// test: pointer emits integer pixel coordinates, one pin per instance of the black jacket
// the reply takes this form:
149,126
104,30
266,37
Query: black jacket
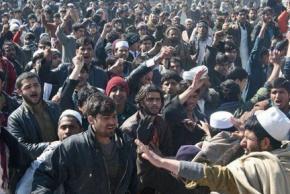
23,125
19,158
78,164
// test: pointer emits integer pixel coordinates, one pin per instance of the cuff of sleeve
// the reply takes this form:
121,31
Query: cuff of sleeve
191,170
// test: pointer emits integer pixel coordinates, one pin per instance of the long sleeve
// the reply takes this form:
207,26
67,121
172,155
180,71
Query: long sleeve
283,22
51,173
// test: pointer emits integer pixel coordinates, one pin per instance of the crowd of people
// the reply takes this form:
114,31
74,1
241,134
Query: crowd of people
143,97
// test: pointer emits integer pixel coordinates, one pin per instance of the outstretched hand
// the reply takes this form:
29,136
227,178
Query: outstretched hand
147,154
145,129
197,82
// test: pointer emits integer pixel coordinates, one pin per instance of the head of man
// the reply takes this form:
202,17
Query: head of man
142,29
230,91
121,49
78,30
83,95
267,14
84,48
28,86
32,19
57,18
69,123
153,18
9,50
149,99
146,43
102,116
188,24
222,64
280,93
133,40
252,14
175,65
240,76
170,82
265,131
56,58
242,16
202,29
173,34
117,89
231,51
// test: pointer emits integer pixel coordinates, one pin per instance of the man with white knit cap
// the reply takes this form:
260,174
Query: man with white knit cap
69,123
265,168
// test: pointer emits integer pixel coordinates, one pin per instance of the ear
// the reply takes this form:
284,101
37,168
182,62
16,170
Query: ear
90,119
19,92
265,144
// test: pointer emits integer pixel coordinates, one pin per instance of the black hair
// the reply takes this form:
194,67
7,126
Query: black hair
229,46
252,124
230,91
144,91
267,10
170,75
77,26
56,15
99,104
84,41
45,42
238,73
24,76
147,37
84,93
280,83
221,59
112,36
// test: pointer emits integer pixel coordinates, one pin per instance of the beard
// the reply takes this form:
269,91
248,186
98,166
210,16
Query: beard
29,101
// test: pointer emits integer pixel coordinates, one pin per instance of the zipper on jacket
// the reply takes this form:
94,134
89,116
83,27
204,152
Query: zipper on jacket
107,174
126,169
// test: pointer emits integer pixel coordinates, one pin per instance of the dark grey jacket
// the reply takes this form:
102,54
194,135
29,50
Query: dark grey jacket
78,164
23,125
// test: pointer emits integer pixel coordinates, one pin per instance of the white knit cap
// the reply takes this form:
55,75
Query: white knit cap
221,120
275,122
73,113
121,44
189,75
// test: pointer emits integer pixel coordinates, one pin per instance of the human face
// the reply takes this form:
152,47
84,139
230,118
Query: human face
175,67
119,95
146,45
191,101
122,52
80,33
232,55
223,69
189,24
56,60
68,126
142,31
242,17
267,17
152,103
172,34
147,79
280,97
9,51
104,125
250,142
30,91
86,51
170,87
83,78
252,15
